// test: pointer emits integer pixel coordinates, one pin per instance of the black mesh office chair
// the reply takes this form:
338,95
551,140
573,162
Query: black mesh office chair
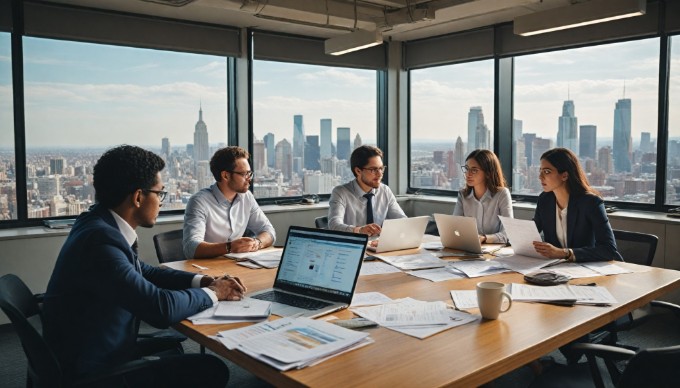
626,368
431,228
321,222
169,246
23,310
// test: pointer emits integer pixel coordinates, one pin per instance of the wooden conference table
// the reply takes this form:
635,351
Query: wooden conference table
468,355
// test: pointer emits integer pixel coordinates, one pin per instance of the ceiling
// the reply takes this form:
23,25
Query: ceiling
400,20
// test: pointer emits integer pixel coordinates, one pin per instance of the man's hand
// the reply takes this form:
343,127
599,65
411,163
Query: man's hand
228,288
244,244
370,229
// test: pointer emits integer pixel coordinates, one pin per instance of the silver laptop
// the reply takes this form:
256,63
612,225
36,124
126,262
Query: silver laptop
401,233
318,272
458,232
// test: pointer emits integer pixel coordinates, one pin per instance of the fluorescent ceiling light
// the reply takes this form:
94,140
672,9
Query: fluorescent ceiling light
355,40
577,15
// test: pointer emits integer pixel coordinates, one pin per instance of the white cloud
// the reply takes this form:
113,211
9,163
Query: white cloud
334,75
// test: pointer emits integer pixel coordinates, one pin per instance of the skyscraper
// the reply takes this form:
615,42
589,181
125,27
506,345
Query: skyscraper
516,129
646,142
165,147
567,132
587,141
201,147
528,148
259,155
478,132
343,143
357,142
269,142
57,166
284,158
299,140
312,152
622,140
604,160
326,138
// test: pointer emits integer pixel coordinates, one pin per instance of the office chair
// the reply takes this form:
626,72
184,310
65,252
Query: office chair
21,306
169,246
643,368
321,222
431,228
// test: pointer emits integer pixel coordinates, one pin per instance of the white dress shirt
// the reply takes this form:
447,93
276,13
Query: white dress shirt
348,206
486,211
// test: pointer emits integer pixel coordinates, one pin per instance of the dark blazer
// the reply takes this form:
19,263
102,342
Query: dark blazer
589,233
96,292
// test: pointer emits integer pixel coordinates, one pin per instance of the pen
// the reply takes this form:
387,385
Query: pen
199,266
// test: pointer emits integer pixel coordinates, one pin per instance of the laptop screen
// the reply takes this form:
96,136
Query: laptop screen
321,261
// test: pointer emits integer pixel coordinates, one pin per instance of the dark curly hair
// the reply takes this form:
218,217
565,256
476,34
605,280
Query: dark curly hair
121,171
224,160
361,154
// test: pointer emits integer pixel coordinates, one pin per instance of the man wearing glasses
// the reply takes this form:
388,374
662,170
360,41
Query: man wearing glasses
216,218
361,205
100,289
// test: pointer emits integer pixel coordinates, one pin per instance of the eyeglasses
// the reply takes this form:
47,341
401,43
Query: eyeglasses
471,170
161,193
375,170
245,174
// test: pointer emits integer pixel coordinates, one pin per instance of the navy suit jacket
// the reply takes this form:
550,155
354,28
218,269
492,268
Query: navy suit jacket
589,233
95,293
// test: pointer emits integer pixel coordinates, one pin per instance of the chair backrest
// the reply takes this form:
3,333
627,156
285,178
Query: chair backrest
652,368
169,246
635,247
321,222
18,302
431,228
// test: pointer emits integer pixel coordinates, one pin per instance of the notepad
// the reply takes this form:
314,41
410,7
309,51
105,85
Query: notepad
245,308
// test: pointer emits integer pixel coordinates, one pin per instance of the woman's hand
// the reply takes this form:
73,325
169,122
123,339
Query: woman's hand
548,250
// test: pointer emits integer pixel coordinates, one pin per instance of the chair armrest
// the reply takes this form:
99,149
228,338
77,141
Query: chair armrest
604,351
666,305
116,371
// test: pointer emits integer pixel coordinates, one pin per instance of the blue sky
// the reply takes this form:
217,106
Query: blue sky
85,94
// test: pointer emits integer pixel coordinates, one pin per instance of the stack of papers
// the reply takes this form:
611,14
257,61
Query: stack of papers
415,318
414,261
259,259
245,310
293,342
564,293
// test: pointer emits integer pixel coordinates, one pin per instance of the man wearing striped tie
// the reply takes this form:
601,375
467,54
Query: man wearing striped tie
99,288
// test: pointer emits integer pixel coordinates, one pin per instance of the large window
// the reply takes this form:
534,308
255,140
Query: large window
307,119
82,99
673,167
8,198
452,113
602,103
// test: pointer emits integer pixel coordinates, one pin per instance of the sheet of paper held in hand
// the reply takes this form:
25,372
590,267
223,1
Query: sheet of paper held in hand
522,234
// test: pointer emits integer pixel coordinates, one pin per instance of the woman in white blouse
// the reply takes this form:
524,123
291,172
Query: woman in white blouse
485,196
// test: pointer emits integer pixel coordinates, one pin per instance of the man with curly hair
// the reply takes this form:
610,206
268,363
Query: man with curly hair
217,217
99,288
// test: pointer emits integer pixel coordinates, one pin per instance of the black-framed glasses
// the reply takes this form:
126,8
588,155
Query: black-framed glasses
245,174
471,170
161,193
375,170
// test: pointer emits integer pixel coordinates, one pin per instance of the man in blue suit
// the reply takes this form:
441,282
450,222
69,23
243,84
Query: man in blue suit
99,287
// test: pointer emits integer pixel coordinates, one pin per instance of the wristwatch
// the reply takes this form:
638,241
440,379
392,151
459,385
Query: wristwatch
228,246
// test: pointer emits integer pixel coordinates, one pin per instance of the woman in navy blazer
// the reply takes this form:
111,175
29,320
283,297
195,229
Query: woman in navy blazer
570,213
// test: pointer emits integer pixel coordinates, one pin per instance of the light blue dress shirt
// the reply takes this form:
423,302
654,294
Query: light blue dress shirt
486,212
210,217
348,206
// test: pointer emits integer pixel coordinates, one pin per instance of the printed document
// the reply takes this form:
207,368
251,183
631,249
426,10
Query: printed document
464,299
522,234
414,261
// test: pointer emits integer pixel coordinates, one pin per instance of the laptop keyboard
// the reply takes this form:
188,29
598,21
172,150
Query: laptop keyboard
292,300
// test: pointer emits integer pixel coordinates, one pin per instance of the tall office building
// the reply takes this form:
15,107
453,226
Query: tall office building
567,132
57,166
604,160
539,146
622,140
459,152
478,132
201,145
284,158
357,142
312,154
326,140
269,143
646,142
528,148
587,141
259,156
299,139
343,143
438,157
165,147
516,129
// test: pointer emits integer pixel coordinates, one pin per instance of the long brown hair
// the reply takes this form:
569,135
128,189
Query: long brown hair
492,167
565,160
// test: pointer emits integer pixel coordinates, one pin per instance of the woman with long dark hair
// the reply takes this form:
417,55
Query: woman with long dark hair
570,213
485,196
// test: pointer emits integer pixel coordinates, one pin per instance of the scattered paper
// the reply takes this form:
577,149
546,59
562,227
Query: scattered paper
369,298
376,268
464,299
437,274
414,261
606,268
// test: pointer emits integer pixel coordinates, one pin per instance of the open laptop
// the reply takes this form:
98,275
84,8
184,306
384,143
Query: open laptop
458,232
318,272
401,233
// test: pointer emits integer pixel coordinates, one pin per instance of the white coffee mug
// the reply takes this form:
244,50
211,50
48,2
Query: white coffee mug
490,299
